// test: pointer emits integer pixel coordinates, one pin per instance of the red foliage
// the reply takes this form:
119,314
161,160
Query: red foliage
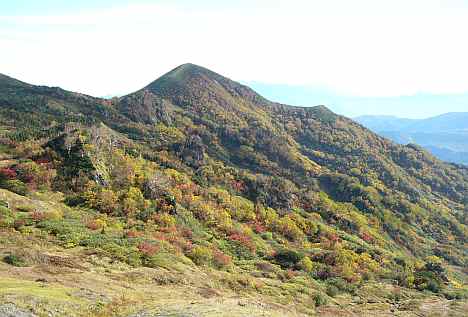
181,245
148,249
93,225
330,239
185,187
186,233
132,234
159,236
333,238
8,173
290,274
38,216
367,237
244,240
42,160
171,229
238,186
221,259
258,227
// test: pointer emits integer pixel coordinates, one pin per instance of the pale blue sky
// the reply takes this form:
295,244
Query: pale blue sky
400,57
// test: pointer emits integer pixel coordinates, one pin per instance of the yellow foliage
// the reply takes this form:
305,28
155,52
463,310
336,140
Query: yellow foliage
268,215
134,202
306,264
165,220
288,228
242,209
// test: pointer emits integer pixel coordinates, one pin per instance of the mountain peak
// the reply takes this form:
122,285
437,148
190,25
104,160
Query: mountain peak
183,75
193,82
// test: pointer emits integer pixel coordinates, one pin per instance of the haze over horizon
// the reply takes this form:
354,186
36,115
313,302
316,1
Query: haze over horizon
365,58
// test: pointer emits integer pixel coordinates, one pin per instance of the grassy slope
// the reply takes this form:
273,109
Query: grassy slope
76,282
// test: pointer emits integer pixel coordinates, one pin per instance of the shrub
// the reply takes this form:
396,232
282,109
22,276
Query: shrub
242,209
14,260
6,217
132,234
332,290
267,236
74,200
426,280
289,229
16,186
148,249
319,299
164,220
220,259
257,227
34,174
7,173
37,216
201,255
101,199
96,224
306,264
244,240
5,212
288,258
341,285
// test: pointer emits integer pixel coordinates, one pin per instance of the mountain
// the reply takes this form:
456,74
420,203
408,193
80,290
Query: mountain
385,123
446,136
195,189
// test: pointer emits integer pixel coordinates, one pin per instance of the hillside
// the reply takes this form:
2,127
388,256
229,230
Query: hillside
445,136
196,190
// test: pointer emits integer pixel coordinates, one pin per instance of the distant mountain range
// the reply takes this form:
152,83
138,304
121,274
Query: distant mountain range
445,136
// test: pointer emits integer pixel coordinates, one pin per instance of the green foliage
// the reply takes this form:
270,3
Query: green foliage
288,258
319,299
16,186
14,260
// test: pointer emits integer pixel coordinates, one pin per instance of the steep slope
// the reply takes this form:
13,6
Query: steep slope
196,169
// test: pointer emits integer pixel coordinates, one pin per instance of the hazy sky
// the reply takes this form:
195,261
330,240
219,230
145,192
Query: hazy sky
359,49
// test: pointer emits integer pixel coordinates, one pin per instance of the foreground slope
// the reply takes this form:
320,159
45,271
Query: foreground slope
197,174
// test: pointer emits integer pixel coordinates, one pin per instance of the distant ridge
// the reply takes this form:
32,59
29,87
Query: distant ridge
445,135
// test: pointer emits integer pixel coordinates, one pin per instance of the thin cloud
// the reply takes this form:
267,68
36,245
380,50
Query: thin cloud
367,48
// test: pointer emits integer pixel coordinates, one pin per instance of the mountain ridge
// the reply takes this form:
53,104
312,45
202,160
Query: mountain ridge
444,135
199,175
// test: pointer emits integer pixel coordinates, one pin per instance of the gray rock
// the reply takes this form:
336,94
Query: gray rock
10,310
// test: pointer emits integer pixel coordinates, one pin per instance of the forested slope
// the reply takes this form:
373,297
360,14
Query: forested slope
198,170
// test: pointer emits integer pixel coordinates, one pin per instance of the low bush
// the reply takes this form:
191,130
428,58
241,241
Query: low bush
16,186
7,218
332,290
25,208
201,255
220,259
319,299
14,260
288,258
